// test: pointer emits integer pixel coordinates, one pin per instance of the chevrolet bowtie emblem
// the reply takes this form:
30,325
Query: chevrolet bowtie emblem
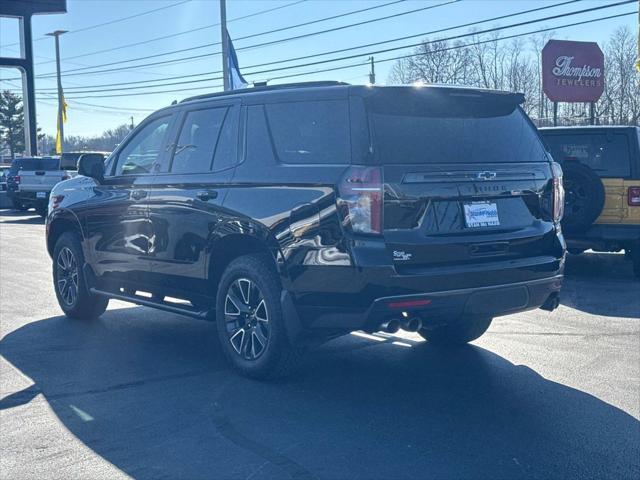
486,175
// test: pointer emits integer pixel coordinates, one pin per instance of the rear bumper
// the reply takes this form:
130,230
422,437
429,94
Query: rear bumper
363,298
440,307
30,197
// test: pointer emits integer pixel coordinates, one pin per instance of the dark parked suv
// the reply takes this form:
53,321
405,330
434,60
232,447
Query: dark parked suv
297,213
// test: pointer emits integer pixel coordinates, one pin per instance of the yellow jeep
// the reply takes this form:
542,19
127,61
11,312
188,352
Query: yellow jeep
601,168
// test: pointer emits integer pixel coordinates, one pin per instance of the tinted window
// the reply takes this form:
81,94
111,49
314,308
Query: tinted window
259,145
197,142
608,155
143,151
69,161
310,132
31,164
412,128
227,149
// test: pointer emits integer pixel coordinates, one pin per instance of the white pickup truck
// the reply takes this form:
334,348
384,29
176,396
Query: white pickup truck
34,181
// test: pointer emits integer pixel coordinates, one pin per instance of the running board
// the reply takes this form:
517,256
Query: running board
147,302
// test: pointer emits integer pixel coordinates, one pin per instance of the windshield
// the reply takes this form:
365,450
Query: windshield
413,128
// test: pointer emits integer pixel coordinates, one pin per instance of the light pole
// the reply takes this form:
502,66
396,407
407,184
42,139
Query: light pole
372,73
56,35
225,44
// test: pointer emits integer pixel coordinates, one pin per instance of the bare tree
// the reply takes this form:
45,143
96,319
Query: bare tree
488,62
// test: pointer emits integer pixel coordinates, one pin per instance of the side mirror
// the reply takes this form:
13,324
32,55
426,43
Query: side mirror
91,165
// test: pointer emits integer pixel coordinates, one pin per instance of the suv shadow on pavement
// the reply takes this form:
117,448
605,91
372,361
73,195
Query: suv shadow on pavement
151,394
616,293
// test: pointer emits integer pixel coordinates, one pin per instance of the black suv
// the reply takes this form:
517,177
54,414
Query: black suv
297,213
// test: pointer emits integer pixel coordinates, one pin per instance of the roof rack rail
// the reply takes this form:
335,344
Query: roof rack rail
266,88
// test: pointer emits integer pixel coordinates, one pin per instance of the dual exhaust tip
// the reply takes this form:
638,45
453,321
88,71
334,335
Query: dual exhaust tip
412,324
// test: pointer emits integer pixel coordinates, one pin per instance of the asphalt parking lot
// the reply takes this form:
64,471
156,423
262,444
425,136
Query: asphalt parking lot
146,394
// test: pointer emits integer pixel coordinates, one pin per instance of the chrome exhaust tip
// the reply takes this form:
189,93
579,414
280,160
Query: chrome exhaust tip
412,324
390,326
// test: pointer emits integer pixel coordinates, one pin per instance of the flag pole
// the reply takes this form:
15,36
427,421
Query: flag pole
225,43
60,132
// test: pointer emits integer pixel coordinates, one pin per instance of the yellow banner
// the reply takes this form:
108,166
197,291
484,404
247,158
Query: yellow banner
64,120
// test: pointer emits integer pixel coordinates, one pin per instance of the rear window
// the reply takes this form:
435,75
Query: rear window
313,132
607,155
31,164
411,127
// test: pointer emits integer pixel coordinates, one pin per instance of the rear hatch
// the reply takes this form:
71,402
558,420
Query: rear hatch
466,177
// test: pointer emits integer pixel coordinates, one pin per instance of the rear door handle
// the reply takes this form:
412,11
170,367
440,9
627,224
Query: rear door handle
206,195
138,194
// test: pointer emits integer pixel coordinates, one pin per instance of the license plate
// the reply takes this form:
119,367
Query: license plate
41,194
481,214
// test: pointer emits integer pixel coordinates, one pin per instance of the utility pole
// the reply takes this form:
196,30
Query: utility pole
56,36
372,73
225,44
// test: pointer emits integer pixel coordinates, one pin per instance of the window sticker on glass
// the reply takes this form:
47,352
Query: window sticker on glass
481,214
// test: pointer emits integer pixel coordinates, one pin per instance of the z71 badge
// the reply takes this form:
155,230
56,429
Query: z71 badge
401,255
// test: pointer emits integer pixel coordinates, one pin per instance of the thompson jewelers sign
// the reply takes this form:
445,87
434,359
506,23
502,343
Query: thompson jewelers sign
572,71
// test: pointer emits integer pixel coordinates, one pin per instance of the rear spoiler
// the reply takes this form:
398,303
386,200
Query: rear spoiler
440,101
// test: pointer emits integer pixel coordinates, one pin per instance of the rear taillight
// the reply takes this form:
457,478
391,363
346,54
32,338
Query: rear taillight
360,200
56,200
633,197
16,179
558,193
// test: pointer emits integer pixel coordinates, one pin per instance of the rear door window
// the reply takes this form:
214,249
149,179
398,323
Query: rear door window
313,132
607,154
198,139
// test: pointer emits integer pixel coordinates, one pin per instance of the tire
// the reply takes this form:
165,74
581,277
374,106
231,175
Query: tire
458,333
584,198
250,323
17,205
69,282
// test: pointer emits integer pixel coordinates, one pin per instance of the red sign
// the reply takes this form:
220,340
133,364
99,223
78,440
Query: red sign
572,71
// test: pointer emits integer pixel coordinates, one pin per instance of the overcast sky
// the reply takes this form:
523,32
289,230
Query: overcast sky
187,15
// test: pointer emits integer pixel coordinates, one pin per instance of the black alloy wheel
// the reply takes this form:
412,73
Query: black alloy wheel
251,327
67,276
246,319
70,284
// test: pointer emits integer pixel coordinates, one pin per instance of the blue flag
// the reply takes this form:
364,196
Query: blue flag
236,80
